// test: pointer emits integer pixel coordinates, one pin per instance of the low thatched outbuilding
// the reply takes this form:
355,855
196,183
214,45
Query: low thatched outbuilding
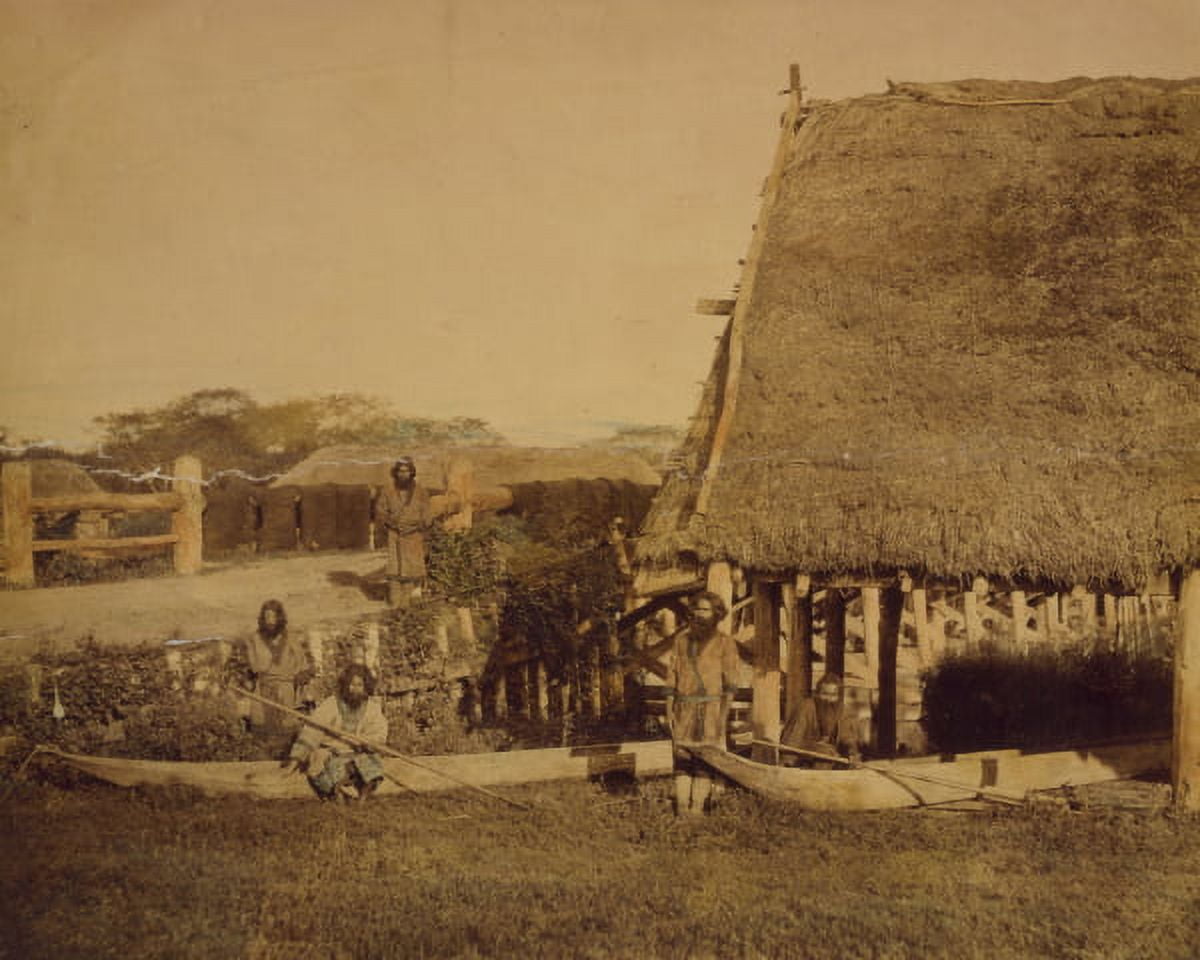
964,358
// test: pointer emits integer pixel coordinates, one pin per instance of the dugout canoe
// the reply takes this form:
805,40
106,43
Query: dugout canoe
266,779
1002,775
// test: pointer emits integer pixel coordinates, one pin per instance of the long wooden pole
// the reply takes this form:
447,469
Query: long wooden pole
1185,745
357,741
737,323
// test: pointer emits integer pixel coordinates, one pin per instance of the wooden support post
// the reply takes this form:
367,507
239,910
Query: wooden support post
1111,627
541,690
595,687
870,608
1185,752
614,679
835,632
971,620
720,582
889,613
1020,615
187,521
800,670
920,611
17,480
937,626
500,695
764,708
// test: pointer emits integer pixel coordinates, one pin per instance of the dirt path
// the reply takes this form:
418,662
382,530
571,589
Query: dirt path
223,600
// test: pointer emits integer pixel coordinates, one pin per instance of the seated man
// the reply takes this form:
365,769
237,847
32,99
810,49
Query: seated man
819,725
335,767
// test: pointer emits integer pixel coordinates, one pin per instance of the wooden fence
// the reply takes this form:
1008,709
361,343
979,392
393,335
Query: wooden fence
185,502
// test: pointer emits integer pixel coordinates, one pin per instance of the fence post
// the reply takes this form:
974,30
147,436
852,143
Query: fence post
18,523
187,521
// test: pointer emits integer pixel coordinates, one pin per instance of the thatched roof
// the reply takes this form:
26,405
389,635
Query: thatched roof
492,466
59,478
972,345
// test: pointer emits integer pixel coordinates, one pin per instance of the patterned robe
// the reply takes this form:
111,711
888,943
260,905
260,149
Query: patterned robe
702,671
275,666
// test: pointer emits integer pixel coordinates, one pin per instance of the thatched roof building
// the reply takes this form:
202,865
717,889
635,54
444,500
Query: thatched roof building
491,466
968,341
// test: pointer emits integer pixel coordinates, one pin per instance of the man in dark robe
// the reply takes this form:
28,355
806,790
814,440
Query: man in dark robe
404,510
819,725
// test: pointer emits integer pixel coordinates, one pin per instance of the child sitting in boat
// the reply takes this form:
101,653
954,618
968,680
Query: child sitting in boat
820,726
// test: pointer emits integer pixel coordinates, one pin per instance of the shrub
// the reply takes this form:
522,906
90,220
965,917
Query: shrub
1044,698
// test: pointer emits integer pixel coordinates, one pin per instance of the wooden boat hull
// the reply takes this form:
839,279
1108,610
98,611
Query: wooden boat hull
1000,774
268,780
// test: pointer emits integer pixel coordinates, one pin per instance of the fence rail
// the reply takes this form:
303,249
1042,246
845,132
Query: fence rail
185,503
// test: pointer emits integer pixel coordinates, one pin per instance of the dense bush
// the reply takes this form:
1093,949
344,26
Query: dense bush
1044,698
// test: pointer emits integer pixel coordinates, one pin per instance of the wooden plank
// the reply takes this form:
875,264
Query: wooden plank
129,502
799,672
715,308
17,481
737,323
764,711
1185,753
187,521
106,543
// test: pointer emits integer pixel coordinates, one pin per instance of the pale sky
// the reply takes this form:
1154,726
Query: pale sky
496,208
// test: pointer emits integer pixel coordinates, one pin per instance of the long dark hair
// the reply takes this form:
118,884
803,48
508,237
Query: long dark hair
280,617
349,672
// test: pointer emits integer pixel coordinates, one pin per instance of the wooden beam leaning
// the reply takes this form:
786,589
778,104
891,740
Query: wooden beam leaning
737,323
17,481
1185,744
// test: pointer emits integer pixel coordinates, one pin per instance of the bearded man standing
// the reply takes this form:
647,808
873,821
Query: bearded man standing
405,511
336,768
700,688
279,667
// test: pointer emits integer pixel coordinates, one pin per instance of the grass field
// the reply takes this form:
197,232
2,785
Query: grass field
95,872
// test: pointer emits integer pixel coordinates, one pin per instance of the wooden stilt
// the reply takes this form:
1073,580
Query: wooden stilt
595,688
1185,754
835,632
1111,626
541,689
889,612
799,674
720,582
500,696
764,711
920,612
1020,618
971,620
870,607
937,629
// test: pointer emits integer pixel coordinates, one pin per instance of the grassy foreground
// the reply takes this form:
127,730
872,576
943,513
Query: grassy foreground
96,872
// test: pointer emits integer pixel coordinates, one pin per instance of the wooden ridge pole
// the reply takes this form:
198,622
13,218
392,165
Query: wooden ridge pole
737,324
